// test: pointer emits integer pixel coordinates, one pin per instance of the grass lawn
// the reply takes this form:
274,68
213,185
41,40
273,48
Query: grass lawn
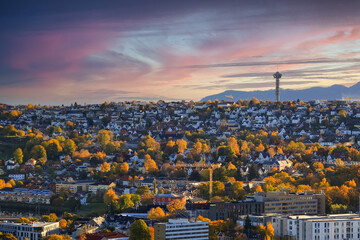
98,208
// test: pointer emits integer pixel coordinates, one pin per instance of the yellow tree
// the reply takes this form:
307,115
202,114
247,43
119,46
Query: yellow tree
272,152
110,196
260,148
170,144
105,167
258,189
149,164
182,145
124,168
176,205
156,213
233,145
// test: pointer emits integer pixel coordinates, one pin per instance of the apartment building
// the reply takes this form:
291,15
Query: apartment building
330,227
24,195
179,229
284,202
75,186
33,231
100,187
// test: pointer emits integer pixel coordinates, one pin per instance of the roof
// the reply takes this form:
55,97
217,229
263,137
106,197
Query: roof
107,235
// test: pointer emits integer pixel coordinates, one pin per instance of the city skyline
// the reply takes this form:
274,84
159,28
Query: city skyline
54,53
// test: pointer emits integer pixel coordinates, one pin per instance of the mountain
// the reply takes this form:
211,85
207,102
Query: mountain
315,93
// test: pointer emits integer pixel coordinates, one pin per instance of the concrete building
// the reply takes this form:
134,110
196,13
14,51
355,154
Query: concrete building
33,231
284,202
232,210
330,227
25,195
179,229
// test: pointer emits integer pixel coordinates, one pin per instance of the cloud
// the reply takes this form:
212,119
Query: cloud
253,85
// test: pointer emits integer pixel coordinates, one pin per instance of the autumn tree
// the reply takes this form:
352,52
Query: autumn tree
156,213
233,145
18,156
63,224
104,137
69,146
182,145
238,192
175,206
110,196
124,168
149,164
105,167
38,151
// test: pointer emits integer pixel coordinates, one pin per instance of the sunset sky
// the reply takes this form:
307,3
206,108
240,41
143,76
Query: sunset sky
58,52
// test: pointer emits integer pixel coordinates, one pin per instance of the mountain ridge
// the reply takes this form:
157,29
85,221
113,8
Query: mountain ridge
332,92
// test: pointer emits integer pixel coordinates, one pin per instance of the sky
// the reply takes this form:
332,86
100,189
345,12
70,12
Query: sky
87,51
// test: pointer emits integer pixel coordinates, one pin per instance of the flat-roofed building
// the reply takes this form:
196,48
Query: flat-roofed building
75,186
285,202
232,210
33,231
24,195
179,229
330,227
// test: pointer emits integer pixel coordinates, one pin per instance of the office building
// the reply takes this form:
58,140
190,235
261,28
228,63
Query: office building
284,202
232,210
180,229
33,231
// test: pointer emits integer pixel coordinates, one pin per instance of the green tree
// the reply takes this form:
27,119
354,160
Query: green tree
18,156
69,146
125,202
139,230
104,137
38,151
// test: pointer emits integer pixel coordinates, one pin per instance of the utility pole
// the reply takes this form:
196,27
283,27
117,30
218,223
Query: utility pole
211,182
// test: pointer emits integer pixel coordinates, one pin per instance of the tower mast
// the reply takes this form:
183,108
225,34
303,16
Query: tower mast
277,76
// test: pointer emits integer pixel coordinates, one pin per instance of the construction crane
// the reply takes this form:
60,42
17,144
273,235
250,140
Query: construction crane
230,96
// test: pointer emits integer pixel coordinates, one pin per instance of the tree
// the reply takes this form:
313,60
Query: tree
156,213
104,137
69,146
253,172
143,190
63,224
125,202
18,156
150,164
38,151
124,168
182,145
175,206
139,230
317,166
7,236
57,237
238,191
105,167
234,146
110,196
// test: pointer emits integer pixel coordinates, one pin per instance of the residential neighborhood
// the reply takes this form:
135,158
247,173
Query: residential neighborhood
110,165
